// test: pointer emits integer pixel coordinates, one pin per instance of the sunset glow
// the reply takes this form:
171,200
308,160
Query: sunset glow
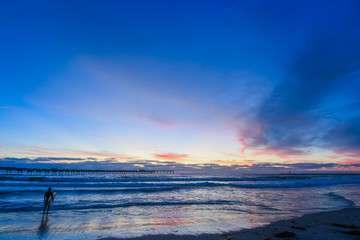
215,86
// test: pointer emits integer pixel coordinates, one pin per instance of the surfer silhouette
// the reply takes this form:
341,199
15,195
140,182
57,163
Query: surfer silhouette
48,199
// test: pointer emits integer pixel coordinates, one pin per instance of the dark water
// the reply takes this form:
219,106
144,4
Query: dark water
87,207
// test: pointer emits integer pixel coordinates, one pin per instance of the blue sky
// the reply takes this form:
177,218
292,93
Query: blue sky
211,85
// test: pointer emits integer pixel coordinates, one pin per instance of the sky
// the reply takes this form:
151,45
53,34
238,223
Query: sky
211,86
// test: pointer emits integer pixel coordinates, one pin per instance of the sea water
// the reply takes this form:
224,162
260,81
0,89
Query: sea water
124,206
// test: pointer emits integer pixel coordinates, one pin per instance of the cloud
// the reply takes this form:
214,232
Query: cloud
38,151
102,154
345,136
47,159
170,156
155,120
351,161
161,121
282,153
317,101
113,164
95,135
348,152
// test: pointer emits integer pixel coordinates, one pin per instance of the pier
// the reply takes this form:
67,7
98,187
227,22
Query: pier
56,171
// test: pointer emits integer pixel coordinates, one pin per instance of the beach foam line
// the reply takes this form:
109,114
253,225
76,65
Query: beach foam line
83,205
338,197
191,184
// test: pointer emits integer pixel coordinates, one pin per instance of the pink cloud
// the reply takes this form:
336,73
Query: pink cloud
160,121
155,121
170,156
95,135
243,148
348,152
350,161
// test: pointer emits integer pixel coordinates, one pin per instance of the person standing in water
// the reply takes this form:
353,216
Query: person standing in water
47,201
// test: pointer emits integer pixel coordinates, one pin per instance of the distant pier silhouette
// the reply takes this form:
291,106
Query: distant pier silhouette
64,172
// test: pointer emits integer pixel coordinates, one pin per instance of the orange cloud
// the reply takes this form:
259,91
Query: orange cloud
139,165
231,163
170,156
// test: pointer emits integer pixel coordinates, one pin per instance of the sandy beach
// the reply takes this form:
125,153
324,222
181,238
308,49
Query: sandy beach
340,224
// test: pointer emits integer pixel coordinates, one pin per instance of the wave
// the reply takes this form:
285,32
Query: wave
84,205
298,184
90,191
347,202
163,186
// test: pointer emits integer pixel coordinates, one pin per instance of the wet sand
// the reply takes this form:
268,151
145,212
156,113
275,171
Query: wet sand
340,224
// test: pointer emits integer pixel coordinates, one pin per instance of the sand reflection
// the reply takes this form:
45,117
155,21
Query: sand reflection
168,221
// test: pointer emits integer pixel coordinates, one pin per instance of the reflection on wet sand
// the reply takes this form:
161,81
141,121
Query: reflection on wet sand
43,228
168,221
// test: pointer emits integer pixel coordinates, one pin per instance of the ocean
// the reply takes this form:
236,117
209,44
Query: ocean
99,206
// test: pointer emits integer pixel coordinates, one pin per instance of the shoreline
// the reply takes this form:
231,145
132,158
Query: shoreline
337,224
